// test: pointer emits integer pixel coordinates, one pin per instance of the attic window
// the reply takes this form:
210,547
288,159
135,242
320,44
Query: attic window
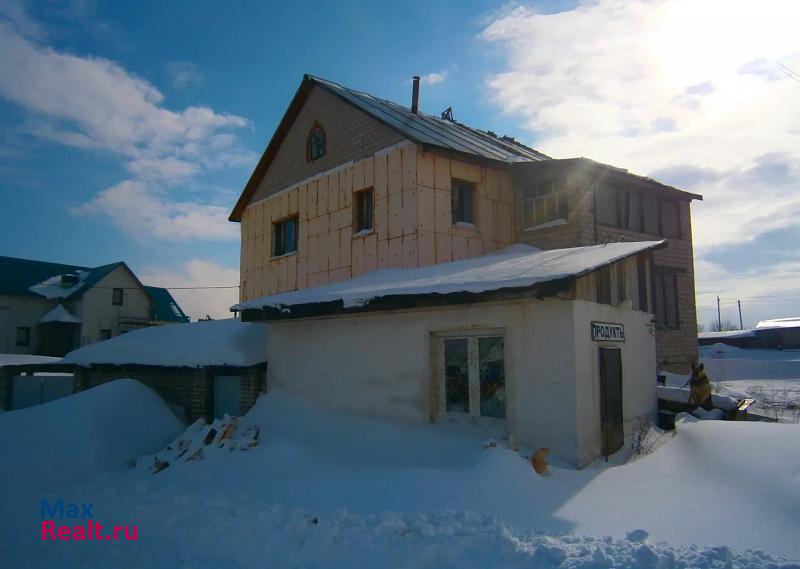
315,143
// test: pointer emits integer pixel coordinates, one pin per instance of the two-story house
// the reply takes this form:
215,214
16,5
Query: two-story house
51,308
350,183
536,296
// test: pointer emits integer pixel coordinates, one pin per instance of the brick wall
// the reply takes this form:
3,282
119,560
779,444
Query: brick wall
350,134
675,349
191,389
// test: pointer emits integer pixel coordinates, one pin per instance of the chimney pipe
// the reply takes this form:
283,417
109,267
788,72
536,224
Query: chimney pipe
415,95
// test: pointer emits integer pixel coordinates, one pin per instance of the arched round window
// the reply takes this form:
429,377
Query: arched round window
315,144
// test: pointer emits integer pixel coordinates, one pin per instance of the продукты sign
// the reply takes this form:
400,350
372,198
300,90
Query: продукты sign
608,332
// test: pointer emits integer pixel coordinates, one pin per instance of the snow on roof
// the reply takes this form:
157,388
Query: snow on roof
60,314
21,359
197,344
726,334
52,287
780,323
513,267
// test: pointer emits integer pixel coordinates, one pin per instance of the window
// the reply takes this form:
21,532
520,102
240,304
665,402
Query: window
542,204
364,210
650,211
23,336
474,376
665,290
105,334
284,236
670,218
116,297
315,143
463,201
606,208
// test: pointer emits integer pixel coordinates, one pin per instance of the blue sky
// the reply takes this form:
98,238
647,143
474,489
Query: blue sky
128,129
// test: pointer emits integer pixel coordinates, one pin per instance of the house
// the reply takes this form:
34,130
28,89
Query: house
776,334
350,184
51,308
203,369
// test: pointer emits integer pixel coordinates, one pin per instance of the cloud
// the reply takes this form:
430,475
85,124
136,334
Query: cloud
198,303
184,75
93,103
12,13
138,208
433,78
689,92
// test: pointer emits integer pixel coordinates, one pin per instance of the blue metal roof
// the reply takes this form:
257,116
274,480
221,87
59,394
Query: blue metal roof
164,309
434,131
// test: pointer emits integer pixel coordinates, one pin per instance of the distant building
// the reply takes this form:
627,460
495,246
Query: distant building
779,333
51,308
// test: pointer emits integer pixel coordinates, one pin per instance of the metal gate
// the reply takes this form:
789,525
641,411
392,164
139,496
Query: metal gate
611,400
30,390
227,395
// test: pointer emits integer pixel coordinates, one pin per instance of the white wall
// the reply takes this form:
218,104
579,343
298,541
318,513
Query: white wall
17,310
97,312
381,365
638,372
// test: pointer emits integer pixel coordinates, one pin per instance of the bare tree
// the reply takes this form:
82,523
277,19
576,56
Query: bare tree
724,326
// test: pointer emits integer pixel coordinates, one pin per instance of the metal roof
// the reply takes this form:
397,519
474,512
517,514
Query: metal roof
434,131
165,308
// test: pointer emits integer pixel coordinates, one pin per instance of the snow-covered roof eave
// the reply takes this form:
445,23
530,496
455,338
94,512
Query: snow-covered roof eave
514,269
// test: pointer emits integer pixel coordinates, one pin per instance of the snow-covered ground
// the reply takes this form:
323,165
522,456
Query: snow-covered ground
325,490
772,377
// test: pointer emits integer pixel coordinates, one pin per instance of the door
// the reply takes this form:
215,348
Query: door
227,396
474,376
611,400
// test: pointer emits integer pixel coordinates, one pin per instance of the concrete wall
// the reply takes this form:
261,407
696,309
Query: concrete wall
350,134
97,312
384,365
412,221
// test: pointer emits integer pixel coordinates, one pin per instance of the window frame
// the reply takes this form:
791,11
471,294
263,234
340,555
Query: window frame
547,203
316,127
117,296
456,201
367,194
660,298
281,223
661,211
27,333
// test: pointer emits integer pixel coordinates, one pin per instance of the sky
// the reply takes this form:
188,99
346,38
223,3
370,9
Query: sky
128,129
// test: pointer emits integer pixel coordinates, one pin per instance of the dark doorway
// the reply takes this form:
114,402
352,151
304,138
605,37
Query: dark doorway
611,400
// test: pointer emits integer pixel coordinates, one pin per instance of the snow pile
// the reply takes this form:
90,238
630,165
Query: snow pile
214,343
780,323
60,314
515,266
200,439
725,363
20,359
53,288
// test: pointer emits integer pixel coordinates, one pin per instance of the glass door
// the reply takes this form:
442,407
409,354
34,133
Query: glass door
474,376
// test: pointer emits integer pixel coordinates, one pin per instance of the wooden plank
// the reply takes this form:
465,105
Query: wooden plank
302,245
334,250
396,253
312,199
370,252
322,196
333,192
383,253
314,263
283,274
369,172
302,202
486,218
357,263
506,192
381,177
394,169
460,248
410,251
442,211
425,169
465,171
382,218
345,246
409,215
409,160
395,213
426,209
444,248
291,282
293,209
345,187
426,248
302,272
358,176
442,173
492,184
474,247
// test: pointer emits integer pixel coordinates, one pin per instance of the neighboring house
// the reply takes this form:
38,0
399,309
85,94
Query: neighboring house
778,333
350,183
51,308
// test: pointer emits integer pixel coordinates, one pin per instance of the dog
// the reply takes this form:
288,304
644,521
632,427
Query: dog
700,387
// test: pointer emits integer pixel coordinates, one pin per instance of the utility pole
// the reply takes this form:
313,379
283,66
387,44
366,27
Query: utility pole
741,326
719,316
